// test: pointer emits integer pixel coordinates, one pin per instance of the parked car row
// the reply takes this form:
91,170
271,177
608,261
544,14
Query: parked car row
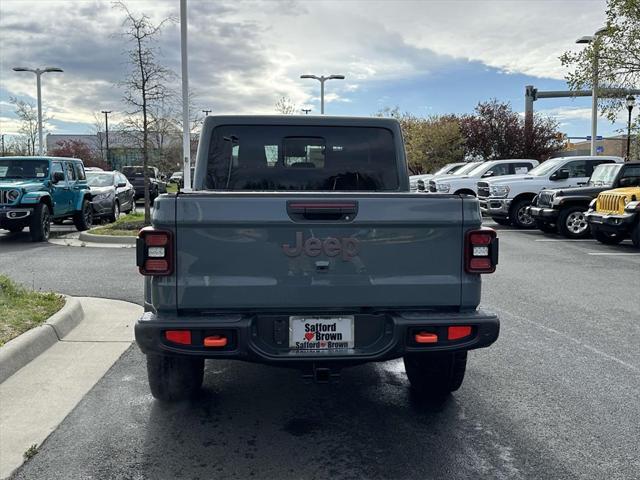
573,196
38,191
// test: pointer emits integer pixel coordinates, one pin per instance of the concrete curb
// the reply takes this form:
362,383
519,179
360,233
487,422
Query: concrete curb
18,352
90,237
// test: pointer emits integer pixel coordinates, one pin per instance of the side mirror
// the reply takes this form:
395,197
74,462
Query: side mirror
57,177
488,174
121,184
561,174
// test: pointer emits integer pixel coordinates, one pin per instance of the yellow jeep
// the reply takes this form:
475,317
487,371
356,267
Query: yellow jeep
615,215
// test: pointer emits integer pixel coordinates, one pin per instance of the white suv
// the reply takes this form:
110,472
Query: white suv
505,199
467,183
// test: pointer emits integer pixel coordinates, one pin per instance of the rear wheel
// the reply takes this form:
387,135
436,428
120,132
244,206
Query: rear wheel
434,375
546,227
501,221
518,215
40,224
635,235
608,238
115,212
174,378
84,218
572,223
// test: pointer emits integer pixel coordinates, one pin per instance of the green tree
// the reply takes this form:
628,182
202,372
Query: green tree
429,142
618,51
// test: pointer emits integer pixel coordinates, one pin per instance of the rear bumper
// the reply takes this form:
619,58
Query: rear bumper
539,213
611,222
495,207
254,338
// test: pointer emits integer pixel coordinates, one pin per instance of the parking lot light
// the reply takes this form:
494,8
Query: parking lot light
322,79
631,101
594,89
38,72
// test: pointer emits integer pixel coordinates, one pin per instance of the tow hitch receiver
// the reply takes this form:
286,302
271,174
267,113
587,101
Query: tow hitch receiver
320,375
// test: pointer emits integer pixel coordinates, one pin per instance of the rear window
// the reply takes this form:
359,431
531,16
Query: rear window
285,157
132,172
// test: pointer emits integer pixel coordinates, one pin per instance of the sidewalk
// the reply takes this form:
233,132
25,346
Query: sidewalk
39,396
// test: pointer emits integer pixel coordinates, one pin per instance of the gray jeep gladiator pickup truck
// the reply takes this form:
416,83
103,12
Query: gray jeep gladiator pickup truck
300,245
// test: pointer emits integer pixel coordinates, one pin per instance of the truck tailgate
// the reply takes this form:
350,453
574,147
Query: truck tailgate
297,251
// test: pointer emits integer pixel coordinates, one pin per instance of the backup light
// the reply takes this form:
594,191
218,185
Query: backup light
156,252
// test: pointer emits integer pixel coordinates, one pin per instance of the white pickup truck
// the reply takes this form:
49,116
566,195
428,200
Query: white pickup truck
418,183
467,183
505,199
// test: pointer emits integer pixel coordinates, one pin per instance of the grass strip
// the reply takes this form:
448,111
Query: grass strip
22,309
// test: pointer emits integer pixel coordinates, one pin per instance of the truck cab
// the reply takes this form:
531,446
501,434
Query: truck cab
301,246
467,183
34,191
506,199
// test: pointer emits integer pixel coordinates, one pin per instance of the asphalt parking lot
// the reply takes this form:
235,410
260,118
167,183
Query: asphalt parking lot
555,397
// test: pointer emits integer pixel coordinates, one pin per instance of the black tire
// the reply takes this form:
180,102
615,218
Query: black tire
115,212
519,218
608,238
40,224
84,218
572,222
546,227
502,221
174,378
434,375
635,235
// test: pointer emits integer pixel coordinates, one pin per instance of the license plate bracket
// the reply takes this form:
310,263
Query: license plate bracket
321,333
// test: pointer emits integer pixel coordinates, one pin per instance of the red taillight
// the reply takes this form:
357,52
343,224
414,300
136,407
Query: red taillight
458,332
182,337
481,251
154,252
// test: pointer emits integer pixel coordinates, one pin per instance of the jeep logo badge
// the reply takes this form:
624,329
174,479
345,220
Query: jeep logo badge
346,248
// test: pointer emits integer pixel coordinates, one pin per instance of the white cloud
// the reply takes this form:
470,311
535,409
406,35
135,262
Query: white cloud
245,55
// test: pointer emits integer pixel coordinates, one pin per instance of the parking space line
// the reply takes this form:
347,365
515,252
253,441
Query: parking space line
615,254
566,240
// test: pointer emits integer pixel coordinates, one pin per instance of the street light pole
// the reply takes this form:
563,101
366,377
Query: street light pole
594,89
106,132
630,103
323,79
38,72
186,133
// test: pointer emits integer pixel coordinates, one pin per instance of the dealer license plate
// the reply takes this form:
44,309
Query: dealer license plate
321,333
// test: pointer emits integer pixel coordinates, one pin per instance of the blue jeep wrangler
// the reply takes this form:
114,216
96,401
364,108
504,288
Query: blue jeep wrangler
34,191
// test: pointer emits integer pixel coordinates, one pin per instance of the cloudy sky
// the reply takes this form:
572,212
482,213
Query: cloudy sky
427,57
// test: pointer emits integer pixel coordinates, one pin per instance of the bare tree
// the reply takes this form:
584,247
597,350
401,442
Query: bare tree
99,129
28,116
146,82
285,106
